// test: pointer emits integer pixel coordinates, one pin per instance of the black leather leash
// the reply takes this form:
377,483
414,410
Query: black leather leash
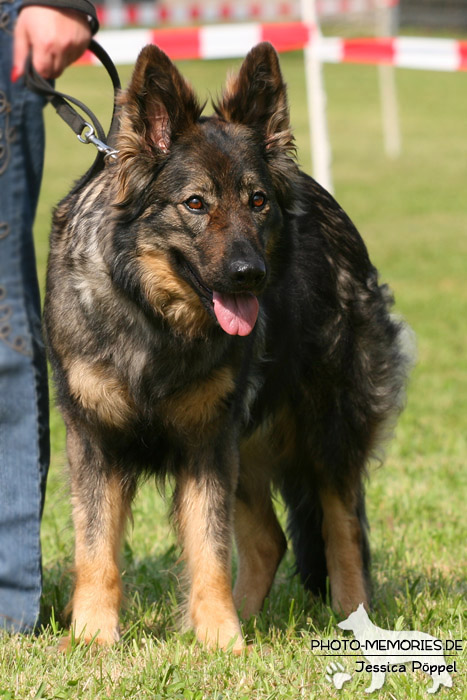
87,130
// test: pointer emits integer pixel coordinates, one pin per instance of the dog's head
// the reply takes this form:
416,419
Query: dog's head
206,197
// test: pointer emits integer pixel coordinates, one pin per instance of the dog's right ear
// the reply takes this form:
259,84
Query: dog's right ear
158,105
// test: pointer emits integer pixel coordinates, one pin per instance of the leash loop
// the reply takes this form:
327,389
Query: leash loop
87,130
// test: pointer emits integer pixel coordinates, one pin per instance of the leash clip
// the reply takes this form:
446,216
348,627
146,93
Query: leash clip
89,137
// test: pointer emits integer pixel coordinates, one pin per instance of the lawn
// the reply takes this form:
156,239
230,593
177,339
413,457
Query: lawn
412,213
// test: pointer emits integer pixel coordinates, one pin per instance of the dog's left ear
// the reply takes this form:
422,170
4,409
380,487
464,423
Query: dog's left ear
257,97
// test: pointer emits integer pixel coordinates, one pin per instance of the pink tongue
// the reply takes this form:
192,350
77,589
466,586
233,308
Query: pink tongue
236,313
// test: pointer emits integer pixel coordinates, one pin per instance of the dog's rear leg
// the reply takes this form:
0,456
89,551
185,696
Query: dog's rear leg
346,551
101,504
261,545
203,506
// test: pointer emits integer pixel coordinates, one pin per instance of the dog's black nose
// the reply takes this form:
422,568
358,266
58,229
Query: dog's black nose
247,274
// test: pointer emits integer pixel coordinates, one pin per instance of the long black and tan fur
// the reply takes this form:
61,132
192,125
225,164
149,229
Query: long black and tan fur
212,315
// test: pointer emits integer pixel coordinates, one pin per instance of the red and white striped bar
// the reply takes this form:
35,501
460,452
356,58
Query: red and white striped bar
403,52
235,40
150,14
217,41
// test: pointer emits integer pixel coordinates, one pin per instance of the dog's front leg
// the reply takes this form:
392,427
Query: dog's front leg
203,506
101,503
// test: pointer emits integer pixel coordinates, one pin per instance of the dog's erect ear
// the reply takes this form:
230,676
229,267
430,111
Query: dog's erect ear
257,97
158,104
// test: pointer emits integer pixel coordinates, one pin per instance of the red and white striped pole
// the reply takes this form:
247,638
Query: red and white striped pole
387,88
316,99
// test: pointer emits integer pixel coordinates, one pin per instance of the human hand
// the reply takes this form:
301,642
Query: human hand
57,37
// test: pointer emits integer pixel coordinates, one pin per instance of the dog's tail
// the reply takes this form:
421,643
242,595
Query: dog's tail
305,523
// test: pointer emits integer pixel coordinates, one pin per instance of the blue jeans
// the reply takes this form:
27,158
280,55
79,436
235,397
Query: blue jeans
24,431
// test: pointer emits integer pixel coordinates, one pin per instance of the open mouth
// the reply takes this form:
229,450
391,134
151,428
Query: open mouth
235,313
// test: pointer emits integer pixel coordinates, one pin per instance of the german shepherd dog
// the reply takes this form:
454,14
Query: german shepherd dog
212,316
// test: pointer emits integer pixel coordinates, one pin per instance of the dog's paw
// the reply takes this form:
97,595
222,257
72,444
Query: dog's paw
336,674
68,643
65,644
103,636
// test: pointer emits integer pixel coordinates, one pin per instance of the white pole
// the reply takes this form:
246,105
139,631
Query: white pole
388,92
316,98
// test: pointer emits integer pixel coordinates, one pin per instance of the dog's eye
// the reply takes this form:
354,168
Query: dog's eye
258,200
195,204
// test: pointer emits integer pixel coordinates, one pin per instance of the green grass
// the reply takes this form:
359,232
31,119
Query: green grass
413,215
